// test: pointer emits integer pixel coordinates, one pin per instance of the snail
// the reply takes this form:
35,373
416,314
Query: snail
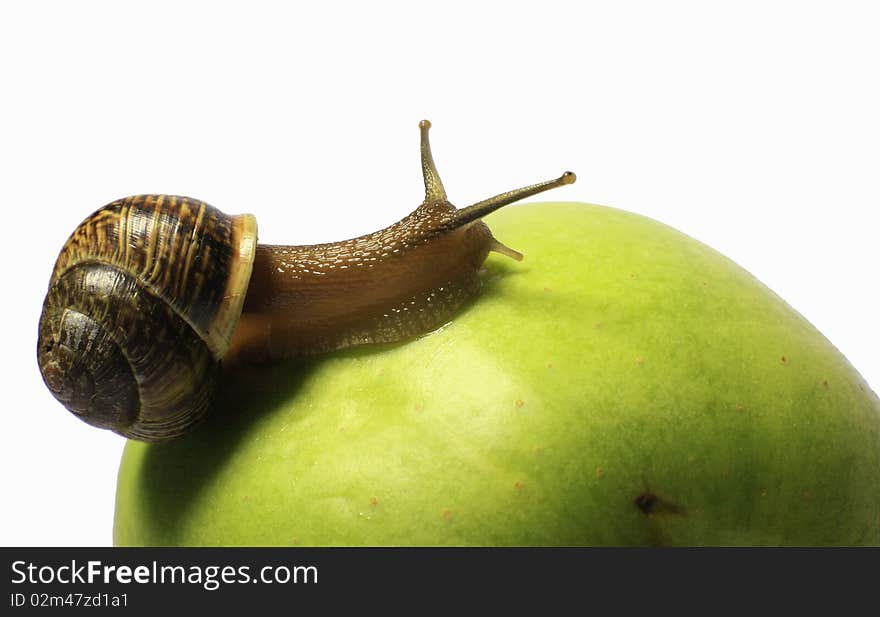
150,294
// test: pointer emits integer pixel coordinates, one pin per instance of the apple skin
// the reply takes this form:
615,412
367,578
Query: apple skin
623,385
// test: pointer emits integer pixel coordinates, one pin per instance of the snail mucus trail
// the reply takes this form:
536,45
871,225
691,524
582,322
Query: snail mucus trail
151,292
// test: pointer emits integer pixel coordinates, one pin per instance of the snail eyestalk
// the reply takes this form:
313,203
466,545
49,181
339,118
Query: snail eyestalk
434,190
487,206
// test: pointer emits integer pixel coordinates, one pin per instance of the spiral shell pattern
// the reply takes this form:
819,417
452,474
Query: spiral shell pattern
141,307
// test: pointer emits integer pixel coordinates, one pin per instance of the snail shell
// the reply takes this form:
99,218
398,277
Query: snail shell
142,304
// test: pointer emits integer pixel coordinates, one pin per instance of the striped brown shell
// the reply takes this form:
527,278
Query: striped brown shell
141,307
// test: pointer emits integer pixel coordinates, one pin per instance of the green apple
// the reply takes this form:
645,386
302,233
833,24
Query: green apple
623,385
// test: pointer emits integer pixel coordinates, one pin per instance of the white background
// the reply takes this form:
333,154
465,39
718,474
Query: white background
752,126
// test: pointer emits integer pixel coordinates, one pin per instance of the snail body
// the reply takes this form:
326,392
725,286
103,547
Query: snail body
151,292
